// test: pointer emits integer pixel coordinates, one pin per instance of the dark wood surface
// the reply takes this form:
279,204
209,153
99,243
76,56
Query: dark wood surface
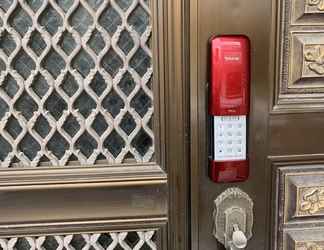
251,18
285,125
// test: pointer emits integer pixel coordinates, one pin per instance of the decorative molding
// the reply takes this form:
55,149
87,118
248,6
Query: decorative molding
299,185
305,12
127,197
110,175
300,64
302,193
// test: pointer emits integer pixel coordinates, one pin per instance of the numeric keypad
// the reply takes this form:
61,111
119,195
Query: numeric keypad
229,138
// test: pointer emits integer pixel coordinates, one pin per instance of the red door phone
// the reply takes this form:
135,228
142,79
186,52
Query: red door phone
229,108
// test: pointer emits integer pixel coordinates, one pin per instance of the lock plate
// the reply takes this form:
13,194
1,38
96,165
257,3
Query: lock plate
232,207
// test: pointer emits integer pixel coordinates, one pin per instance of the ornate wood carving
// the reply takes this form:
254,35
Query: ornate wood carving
300,62
311,200
319,4
303,196
300,202
314,58
309,246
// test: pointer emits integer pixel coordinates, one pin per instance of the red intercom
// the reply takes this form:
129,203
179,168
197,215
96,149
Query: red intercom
229,108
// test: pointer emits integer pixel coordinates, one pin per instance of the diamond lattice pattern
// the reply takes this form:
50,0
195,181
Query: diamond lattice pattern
102,241
75,82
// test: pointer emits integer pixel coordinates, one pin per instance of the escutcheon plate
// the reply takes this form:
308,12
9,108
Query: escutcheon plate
233,206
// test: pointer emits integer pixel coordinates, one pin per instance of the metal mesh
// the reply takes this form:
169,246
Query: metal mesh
102,241
75,82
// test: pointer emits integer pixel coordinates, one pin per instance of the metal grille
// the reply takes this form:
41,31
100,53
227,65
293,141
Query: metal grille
76,82
103,241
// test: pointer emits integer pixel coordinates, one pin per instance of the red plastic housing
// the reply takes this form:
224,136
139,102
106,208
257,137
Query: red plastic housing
231,171
230,76
229,96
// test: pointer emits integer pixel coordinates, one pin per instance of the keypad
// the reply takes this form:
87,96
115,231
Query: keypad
229,138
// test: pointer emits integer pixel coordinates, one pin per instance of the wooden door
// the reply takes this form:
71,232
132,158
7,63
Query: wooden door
89,149
285,126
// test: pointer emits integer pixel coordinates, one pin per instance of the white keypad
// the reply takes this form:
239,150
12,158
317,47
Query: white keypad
229,138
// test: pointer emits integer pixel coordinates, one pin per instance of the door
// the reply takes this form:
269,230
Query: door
85,125
285,125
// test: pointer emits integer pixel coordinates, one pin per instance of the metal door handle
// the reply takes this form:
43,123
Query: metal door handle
233,218
239,240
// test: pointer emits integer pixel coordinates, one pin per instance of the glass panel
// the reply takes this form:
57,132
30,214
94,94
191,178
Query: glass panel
75,84
145,240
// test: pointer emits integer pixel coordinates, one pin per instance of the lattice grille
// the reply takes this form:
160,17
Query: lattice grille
103,241
75,82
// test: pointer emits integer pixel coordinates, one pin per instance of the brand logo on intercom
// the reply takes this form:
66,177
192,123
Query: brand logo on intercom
232,58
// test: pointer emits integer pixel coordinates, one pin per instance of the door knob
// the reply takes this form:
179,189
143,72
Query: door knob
233,218
239,241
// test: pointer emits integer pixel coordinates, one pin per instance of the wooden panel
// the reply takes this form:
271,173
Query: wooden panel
230,17
296,134
300,189
299,214
304,195
108,194
304,239
295,44
300,47
305,64
307,12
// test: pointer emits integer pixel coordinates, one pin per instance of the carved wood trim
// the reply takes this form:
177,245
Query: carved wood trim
314,58
310,201
319,4
309,246
299,74
298,213
304,239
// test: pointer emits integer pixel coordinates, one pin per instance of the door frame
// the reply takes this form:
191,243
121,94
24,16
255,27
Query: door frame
177,112
194,125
